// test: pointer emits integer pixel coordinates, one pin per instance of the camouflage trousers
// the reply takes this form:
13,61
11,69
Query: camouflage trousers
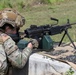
17,71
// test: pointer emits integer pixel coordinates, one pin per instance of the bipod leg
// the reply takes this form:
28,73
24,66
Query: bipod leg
71,40
62,39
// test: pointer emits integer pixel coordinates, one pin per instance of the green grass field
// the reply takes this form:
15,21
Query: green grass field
40,14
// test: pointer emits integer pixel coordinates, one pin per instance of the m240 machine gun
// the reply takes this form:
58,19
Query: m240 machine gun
42,33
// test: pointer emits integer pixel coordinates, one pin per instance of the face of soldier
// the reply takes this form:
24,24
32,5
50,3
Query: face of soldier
9,30
13,33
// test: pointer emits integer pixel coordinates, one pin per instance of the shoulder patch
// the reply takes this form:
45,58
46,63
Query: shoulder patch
5,37
1,40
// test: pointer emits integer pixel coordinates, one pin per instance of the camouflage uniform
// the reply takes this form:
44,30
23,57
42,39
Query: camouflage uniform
8,48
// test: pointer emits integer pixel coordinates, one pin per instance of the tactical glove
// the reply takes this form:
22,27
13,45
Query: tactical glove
34,43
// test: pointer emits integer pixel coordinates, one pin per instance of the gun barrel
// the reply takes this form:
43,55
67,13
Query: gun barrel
73,24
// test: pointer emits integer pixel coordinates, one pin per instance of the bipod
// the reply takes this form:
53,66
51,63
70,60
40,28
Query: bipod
66,33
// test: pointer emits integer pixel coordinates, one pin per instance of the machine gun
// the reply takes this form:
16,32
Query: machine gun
39,31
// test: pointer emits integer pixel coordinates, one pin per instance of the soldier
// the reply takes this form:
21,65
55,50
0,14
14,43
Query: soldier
10,22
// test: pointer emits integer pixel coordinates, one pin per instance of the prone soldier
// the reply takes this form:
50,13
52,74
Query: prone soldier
10,22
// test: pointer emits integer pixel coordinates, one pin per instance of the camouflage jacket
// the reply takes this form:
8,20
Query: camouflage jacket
8,49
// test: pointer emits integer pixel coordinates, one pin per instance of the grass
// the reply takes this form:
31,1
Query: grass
40,15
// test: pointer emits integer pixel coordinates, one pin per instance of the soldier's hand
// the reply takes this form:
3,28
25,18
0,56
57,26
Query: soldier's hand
34,43
30,45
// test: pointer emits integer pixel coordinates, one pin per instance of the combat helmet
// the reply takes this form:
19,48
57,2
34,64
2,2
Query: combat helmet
11,17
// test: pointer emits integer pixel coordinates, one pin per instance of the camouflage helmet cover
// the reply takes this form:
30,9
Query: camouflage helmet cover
12,17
